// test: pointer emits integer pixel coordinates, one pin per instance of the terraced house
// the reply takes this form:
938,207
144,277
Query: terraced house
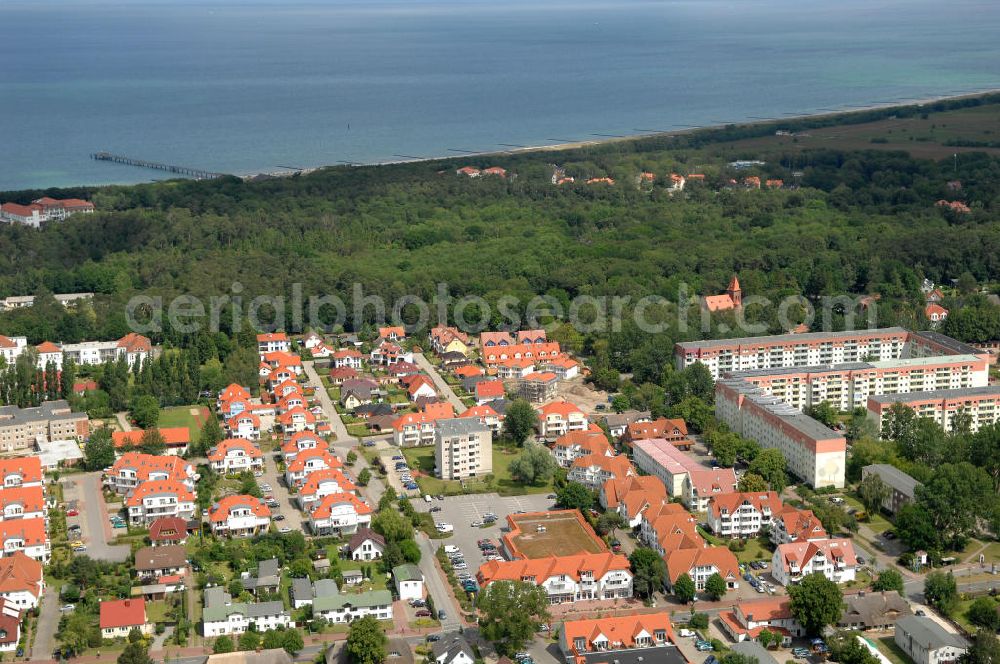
576,578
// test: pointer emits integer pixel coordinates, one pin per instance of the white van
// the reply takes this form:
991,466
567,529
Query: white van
427,498
451,548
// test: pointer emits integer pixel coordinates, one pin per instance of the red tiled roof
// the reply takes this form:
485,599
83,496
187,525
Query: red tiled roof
18,572
223,448
220,511
325,506
123,613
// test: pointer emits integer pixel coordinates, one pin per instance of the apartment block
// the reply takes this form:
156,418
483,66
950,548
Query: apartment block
462,448
21,428
815,453
981,404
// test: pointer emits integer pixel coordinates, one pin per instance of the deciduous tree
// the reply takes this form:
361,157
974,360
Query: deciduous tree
816,602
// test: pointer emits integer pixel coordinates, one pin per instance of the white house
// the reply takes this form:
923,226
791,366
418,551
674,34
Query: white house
222,615
239,516
833,558
273,343
27,536
573,578
366,544
339,514
926,642
155,498
560,417
236,455
742,514
409,581
307,462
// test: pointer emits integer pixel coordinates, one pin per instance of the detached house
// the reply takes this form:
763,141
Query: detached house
747,620
321,483
239,516
119,617
366,544
338,514
236,455
833,558
273,343
152,562
155,498
21,583
134,468
244,425
300,442
297,419
926,642
560,417
873,610
348,358
742,514
307,462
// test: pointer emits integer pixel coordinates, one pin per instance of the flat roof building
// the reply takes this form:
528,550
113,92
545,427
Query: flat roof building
463,447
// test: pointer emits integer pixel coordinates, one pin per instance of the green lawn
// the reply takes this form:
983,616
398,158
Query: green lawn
181,416
156,612
876,521
887,646
422,459
755,550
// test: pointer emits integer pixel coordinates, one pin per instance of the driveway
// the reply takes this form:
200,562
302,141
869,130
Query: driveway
286,506
339,430
439,383
48,623
86,490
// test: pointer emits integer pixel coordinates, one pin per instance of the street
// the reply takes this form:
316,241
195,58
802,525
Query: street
286,504
442,387
435,583
48,623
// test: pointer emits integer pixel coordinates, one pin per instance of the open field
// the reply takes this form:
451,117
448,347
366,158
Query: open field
921,137
565,534
887,646
192,417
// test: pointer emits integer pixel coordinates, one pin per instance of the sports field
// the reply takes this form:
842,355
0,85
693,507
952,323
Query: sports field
192,417
566,533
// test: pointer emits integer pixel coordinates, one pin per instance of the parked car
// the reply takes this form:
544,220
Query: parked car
67,607
476,524
451,548
279,517
436,508
423,613
444,527
431,638
73,513
284,529
79,549
369,443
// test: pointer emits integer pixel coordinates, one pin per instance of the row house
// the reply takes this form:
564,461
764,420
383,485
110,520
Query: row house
343,608
338,514
21,580
748,619
307,462
632,496
575,578
155,498
515,368
571,446
491,340
833,558
21,472
300,442
239,516
244,425
135,468
22,503
222,616
418,428
495,355
487,416
638,638
559,418
27,536
593,470
236,455
274,342
321,483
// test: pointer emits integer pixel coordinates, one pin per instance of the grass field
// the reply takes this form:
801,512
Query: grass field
922,138
422,459
192,417
564,535
887,646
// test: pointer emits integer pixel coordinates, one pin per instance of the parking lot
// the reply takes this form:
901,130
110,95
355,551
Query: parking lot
462,511
393,477
82,492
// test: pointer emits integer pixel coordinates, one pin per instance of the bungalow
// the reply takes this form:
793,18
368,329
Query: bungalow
236,455
366,544
560,417
119,617
338,514
369,410
748,619
152,562
239,516
273,342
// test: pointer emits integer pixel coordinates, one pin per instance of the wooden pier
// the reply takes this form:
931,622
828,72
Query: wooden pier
195,173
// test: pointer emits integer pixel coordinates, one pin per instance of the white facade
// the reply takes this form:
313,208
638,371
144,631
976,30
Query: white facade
833,558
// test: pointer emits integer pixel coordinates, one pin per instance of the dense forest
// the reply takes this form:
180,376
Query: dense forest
845,223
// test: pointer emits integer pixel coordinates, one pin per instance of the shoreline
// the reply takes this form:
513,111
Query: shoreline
576,145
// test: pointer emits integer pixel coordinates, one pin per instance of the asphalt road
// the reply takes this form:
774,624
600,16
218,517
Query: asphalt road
86,490
435,583
442,387
48,623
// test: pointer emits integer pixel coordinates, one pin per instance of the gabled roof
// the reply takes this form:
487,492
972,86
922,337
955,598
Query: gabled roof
168,529
489,389
159,487
233,444
592,442
325,507
562,408
18,572
759,500
145,464
480,412
317,477
682,561
29,468
619,632
30,531
30,498
619,466
800,552
541,569
358,538
123,613
172,436
151,558
318,453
